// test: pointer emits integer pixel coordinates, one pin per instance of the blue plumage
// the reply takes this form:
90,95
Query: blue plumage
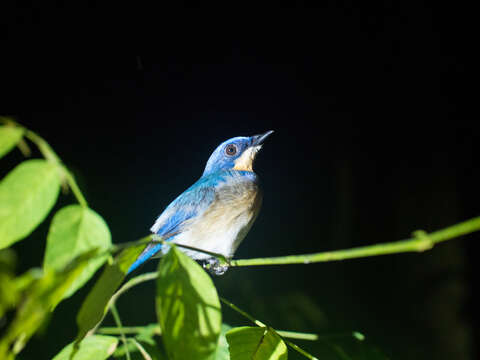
216,212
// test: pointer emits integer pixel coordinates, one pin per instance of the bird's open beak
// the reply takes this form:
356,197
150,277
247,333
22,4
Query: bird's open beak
259,139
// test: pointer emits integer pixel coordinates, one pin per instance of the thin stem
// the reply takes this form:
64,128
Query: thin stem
43,146
159,238
110,330
116,317
297,335
24,148
354,334
259,323
217,255
419,243
299,349
75,189
117,247
140,348
129,284
50,155
240,311
156,238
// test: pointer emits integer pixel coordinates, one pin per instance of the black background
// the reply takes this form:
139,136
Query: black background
375,112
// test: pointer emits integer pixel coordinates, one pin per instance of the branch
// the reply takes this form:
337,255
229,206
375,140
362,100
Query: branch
50,155
419,243
129,284
118,322
157,238
110,330
140,348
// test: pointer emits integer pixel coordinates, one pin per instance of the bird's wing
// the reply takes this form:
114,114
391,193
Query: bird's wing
193,202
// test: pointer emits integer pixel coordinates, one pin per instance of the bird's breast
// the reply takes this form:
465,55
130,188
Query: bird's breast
225,223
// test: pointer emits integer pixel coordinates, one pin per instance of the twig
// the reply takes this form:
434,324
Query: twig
50,155
129,284
110,330
157,238
140,348
116,317
419,243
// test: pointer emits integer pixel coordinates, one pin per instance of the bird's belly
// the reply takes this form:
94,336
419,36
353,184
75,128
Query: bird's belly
221,228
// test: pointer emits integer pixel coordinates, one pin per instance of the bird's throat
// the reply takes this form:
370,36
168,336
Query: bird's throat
245,161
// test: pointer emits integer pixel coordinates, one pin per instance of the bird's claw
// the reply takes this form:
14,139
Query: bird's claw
215,266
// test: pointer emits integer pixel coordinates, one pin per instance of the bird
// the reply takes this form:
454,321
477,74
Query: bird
217,211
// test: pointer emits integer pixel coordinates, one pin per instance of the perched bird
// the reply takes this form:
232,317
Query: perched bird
216,213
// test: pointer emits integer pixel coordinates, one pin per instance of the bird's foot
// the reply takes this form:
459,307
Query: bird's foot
215,266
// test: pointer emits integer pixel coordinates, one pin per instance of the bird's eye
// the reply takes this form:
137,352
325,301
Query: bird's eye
231,150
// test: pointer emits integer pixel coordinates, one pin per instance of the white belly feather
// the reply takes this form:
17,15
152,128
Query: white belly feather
225,223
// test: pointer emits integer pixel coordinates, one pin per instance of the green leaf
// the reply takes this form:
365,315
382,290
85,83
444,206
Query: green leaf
9,137
148,333
222,352
42,296
74,230
24,281
96,303
255,343
188,308
27,194
98,347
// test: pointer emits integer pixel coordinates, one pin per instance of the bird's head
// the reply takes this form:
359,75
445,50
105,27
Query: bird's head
237,153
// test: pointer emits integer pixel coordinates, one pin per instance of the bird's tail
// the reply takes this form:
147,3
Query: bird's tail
146,254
